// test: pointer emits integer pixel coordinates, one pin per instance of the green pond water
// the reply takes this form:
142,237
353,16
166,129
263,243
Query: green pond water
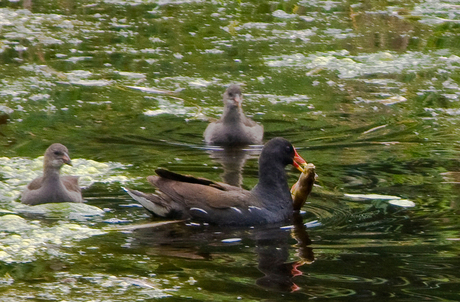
368,91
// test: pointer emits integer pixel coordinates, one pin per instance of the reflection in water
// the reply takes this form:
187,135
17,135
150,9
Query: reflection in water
232,160
273,253
304,251
373,98
27,4
3,121
272,246
453,178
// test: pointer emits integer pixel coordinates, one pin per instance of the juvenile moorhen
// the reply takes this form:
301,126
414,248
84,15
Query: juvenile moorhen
233,128
52,187
187,197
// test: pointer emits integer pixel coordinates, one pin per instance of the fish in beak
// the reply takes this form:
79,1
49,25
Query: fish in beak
302,188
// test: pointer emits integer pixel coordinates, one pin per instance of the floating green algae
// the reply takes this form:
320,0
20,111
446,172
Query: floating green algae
22,240
434,12
92,287
69,210
353,66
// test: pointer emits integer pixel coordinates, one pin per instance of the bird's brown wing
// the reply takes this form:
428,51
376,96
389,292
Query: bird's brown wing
250,123
203,194
210,132
166,174
71,183
253,129
35,184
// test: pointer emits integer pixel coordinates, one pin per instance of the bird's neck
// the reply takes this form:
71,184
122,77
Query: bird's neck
232,114
51,174
273,182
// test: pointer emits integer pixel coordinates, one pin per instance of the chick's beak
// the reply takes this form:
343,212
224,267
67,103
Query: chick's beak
66,159
238,99
298,162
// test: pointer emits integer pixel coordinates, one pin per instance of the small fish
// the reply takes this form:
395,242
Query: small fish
302,188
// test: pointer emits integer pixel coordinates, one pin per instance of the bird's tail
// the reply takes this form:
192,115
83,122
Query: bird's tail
151,202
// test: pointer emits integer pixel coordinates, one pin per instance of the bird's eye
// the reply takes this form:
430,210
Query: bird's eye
230,94
57,153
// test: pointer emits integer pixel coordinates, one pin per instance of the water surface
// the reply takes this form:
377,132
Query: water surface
367,91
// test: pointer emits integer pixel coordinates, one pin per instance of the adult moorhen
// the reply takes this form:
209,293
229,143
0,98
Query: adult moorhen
187,197
233,128
52,187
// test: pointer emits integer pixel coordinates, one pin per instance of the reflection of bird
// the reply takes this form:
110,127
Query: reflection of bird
233,128
232,160
272,263
273,251
299,232
187,197
51,187
453,177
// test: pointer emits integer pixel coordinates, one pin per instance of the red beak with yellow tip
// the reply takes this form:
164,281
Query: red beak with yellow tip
298,162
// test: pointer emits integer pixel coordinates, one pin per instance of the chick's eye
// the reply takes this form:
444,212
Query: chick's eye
57,153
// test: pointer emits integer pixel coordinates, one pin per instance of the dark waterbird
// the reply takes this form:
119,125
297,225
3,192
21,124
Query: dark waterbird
233,128
187,197
52,187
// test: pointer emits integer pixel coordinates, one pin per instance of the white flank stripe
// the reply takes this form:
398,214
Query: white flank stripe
254,207
198,209
236,209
